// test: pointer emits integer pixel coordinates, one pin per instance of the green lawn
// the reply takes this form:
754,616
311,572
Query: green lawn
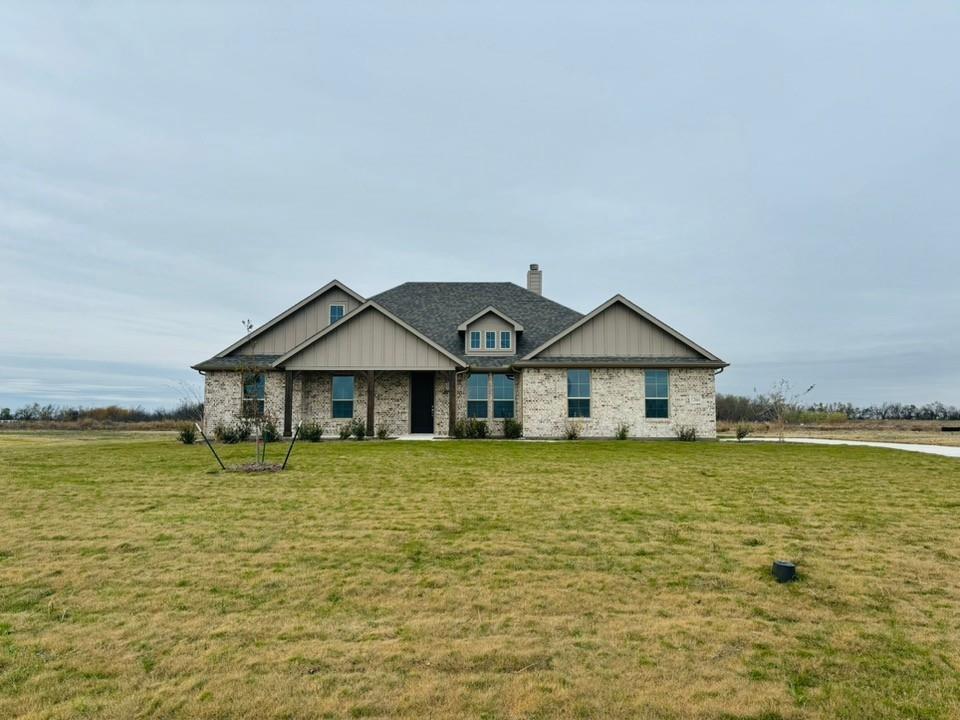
476,579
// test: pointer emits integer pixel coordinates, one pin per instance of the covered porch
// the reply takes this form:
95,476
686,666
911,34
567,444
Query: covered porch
398,402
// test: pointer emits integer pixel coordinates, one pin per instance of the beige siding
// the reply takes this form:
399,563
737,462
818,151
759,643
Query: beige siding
293,330
369,341
618,331
493,322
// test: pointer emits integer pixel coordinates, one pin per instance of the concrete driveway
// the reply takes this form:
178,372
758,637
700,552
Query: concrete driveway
944,450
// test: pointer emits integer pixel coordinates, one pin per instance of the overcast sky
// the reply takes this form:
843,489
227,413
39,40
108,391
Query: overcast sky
780,182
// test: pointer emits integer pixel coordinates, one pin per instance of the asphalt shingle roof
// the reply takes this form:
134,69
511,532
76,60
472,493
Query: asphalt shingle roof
437,308
236,362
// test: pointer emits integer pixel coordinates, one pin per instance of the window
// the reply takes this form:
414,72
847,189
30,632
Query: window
657,393
505,340
343,396
336,312
578,393
254,387
477,396
491,340
502,396
475,340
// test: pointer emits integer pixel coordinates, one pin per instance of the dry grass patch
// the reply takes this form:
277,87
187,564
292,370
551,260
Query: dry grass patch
477,579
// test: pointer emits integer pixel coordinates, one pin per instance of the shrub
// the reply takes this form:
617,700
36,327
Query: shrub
358,428
232,434
512,429
187,435
742,430
383,432
572,430
311,431
471,428
622,431
270,432
345,430
686,433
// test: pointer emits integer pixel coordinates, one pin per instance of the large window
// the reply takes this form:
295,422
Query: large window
343,396
657,393
491,340
503,396
477,396
336,312
475,340
505,339
578,393
254,391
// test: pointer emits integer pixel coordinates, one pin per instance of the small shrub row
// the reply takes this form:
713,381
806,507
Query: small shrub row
187,435
232,434
686,433
471,429
512,429
311,431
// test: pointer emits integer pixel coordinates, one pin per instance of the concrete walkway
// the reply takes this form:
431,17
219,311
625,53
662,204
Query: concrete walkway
944,450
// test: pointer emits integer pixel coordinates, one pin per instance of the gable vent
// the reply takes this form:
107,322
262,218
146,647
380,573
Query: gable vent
535,279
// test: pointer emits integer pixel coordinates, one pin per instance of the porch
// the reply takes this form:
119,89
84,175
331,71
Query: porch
400,402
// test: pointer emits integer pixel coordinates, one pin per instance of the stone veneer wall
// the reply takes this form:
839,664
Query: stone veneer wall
617,395
312,401
222,394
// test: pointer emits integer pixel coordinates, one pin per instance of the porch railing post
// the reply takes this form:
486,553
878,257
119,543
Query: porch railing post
370,399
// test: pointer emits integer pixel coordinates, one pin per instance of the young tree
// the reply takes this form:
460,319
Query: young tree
780,402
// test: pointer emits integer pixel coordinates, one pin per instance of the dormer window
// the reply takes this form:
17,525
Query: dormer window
490,331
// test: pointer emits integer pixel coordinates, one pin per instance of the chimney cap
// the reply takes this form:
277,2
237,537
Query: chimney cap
534,266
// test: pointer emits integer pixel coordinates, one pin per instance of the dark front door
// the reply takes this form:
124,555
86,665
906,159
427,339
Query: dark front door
421,402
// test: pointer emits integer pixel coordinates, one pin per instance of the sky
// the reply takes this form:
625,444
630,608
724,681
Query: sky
779,182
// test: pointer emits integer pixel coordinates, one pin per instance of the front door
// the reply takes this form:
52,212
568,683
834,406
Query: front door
421,402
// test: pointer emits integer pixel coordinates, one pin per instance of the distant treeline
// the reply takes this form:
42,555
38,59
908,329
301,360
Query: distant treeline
186,410
737,408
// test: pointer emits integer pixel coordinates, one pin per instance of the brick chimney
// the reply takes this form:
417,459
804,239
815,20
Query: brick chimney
535,279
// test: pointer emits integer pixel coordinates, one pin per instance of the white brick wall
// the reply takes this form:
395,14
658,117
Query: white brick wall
617,395
222,392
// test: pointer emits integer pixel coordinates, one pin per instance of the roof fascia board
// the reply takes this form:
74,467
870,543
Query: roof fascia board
490,309
288,312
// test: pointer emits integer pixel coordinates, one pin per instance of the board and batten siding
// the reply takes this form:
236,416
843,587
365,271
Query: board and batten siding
618,331
369,341
305,322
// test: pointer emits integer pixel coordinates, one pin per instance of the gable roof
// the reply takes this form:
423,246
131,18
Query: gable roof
517,327
706,354
345,320
436,309
287,313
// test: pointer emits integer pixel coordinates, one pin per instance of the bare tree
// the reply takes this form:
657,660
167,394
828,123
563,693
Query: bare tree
779,402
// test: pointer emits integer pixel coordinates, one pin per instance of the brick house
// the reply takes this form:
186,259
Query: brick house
416,358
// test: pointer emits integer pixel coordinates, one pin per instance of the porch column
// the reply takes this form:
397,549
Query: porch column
452,392
370,396
287,403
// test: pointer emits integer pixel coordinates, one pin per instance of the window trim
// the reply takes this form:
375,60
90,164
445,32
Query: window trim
260,399
486,340
476,401
587,397
646,415
512,400
479,346
352,400
330,307
509,336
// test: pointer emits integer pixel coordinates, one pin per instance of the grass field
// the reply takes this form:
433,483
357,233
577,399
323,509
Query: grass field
476,579
925,432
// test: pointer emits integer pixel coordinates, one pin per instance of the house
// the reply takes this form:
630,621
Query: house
420,356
